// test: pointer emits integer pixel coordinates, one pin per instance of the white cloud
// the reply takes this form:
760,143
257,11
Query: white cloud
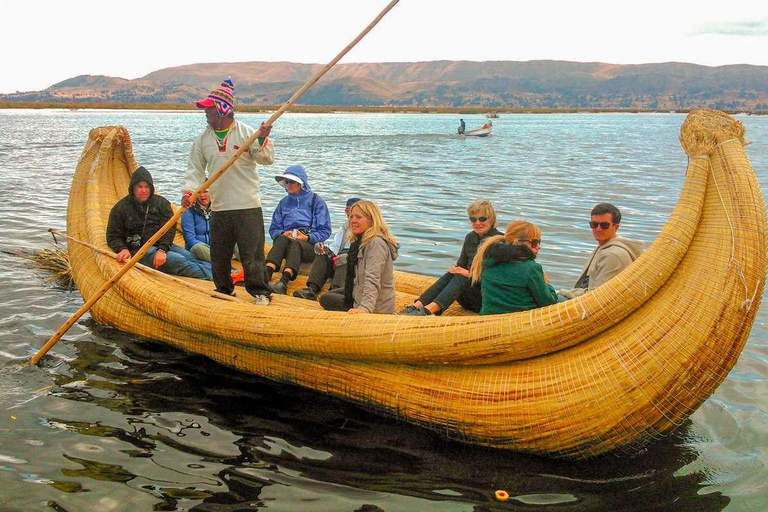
733,28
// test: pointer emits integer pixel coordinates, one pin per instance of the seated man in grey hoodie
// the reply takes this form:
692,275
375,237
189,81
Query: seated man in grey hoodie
612,254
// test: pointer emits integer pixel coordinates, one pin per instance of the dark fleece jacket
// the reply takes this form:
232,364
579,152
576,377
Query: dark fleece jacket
502,252
130,218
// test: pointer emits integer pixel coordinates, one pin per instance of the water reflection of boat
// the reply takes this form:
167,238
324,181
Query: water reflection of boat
608,371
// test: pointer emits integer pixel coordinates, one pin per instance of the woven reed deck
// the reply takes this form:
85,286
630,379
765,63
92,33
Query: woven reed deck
608,371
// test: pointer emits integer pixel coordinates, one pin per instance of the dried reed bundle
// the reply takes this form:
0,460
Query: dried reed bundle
55,261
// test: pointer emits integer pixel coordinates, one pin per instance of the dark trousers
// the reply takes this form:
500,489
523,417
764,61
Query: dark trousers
294,252
320,271
450,288
246,229
333,300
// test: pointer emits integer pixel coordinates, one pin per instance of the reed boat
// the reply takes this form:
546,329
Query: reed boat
607,372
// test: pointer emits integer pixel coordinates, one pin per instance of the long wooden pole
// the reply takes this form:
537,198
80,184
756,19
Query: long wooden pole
205,186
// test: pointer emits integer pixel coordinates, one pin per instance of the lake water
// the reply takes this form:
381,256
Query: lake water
110,422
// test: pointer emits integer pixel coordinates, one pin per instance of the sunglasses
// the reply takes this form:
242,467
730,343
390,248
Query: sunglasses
284,182
604,225
475,219
535,242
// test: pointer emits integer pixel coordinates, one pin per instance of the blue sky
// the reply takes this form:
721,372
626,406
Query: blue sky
46,42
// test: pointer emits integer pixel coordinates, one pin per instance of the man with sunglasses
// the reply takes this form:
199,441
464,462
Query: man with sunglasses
612,255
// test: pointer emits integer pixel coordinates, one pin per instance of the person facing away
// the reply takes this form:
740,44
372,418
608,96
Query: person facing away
511,279
454,284
462,126
330,261
135,218
237,217
370,281
612,255
196,227
300,220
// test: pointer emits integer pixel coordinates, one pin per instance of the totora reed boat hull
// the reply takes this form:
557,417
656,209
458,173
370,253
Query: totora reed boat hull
608,371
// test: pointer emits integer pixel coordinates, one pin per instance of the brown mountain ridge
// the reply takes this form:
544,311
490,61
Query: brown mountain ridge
493,84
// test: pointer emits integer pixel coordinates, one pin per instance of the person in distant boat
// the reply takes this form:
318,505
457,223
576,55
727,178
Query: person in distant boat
196,227
454,284
612,255
237,218
135,218
511,279
370,282
462,127
330,261
300,220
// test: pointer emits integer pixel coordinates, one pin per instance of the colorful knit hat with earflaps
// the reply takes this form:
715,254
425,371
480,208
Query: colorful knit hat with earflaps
223,98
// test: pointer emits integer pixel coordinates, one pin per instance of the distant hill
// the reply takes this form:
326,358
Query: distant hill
501,84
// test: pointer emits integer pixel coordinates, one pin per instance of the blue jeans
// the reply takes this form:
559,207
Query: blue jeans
179,262
450,288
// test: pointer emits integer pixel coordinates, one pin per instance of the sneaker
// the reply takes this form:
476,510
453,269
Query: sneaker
414,311
261,299
279,287
305,293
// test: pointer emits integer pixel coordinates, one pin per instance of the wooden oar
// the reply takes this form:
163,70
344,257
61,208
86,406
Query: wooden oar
205,186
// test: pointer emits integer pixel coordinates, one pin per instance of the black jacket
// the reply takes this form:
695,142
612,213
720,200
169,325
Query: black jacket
502,252
471,243
132,223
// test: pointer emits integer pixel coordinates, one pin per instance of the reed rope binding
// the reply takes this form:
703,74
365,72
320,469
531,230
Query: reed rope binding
215,176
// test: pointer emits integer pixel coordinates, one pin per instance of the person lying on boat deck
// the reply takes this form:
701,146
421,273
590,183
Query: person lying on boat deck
300,220
330,261
370,281
462,127
454,284
135,218
612,255
511,279
237,218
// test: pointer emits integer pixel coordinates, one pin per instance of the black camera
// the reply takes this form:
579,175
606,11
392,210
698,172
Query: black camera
134,242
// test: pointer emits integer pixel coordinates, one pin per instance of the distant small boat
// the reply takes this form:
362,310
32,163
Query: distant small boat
492,115
484,131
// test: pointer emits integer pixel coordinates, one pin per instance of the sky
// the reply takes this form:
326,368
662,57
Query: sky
43,42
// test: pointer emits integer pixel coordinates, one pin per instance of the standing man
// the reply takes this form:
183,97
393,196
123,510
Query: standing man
612,255
237,218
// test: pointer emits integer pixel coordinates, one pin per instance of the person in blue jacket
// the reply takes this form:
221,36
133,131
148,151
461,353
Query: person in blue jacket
300,220
196,227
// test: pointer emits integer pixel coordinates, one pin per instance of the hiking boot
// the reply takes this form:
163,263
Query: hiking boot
305,293
414,311
261,299
279,287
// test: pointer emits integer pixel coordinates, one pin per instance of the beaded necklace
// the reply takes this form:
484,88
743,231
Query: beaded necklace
222,136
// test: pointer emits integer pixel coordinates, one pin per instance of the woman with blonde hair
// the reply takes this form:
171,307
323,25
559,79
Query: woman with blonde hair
370,283
454,284
511,279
